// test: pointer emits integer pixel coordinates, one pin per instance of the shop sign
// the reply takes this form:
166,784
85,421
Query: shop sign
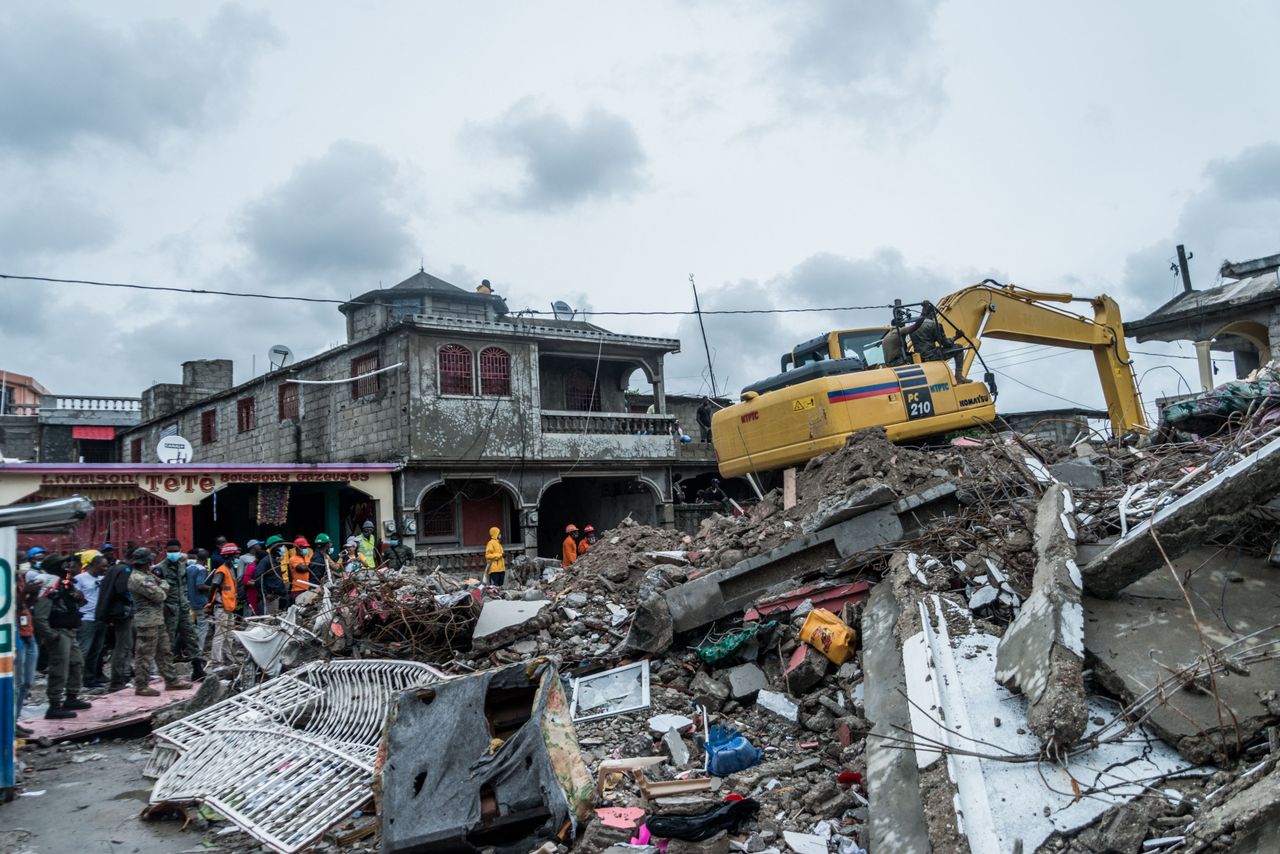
198,482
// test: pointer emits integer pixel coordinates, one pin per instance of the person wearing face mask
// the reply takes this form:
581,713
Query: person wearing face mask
368,544
321,562
270,572
397,555
177,606
299,569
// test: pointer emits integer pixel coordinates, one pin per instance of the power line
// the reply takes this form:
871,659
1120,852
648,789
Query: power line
332,301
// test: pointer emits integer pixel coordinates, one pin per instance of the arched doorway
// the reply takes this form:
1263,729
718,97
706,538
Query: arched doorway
1249,343
596,500
454,519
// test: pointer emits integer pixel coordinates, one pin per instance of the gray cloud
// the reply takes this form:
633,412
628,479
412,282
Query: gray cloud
869,57
1232,216
748,347
51,222
565,163
65,79
338,215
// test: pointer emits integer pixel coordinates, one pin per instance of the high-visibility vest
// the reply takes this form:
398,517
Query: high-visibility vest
226,586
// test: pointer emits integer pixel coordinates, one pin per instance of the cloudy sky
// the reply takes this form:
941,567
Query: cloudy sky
809,154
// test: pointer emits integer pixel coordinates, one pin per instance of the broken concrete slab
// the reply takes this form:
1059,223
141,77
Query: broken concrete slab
675,748
1246,812
833,509
949,668
708,692
897,821
745,681
447,785
780,704
722,592
651,629
1139,639
1041,654
502,621
1081,473
1206,511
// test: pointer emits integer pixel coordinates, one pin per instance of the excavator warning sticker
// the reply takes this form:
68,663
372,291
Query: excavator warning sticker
800,404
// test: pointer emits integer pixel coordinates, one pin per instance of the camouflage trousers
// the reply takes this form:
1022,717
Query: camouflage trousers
182,634
151,649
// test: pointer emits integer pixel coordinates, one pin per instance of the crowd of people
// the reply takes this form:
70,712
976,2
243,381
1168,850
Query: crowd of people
95,621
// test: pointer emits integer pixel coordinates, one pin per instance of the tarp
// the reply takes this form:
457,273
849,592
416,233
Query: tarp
486,761
1206,412
98,433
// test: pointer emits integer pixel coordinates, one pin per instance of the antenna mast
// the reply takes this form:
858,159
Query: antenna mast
697,307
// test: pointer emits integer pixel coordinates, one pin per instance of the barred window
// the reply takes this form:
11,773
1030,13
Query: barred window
580,392
209,426
135,451
287,401
437,514
246,416
369,385
455,370
495,372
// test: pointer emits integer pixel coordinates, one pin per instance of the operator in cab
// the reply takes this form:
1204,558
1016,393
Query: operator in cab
895,354
931,343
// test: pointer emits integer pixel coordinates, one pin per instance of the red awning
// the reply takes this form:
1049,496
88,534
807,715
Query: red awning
107,433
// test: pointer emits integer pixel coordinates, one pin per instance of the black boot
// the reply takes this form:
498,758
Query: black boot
75,704
58,713
197,669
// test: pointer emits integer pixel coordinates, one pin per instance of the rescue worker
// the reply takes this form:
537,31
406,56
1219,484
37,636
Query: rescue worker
92,634
57,618
397,555
151,647
495,559
269,573
321,561
895,354
299,569
115,609
930,342
588,540
349,558
569,548
177,607
222,604
368,547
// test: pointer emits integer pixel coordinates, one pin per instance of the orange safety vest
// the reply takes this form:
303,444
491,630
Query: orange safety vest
569,551
226,586
300,574
583,546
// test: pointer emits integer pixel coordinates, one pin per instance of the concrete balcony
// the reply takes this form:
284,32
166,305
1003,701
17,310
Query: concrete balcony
112,411
460,560
607,436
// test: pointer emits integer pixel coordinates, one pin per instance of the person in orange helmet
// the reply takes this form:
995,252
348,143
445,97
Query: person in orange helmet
588,540
299,569
569,548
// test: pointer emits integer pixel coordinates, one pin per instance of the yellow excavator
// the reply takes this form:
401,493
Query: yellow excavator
838,383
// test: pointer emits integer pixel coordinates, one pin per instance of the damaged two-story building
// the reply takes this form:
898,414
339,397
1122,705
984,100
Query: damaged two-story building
491,419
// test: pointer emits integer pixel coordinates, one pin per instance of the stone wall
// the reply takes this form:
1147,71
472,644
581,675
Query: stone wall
19,436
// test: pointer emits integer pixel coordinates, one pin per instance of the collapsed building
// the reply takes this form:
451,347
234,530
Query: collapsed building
991,645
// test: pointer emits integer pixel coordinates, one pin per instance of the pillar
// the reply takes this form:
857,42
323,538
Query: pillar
332,513
1205,360
184,527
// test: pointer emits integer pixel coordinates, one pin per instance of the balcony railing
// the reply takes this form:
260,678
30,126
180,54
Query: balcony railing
460,560
92,404
609,423
23,409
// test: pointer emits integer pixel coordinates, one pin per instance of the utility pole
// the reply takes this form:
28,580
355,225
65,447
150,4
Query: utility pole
697,307
1182,267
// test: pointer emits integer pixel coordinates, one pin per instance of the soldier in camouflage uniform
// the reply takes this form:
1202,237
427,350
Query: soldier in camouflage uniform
151,646
177,605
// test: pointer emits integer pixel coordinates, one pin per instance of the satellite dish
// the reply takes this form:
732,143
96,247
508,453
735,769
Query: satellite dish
279,356
561,310
174,449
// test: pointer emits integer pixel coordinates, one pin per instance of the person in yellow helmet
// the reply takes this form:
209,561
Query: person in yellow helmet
569,548
495,559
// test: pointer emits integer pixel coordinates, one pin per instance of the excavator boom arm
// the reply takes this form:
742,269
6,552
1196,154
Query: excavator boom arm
1010,313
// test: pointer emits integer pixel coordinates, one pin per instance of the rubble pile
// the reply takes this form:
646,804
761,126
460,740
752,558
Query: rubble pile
978,646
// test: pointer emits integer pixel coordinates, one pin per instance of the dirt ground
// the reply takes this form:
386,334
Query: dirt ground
86,798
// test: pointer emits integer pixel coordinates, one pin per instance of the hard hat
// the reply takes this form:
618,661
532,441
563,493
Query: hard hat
229,549
252,543
274,540
588,530
322,538
368,525
86,557
35,550
570,528
107,547
302,543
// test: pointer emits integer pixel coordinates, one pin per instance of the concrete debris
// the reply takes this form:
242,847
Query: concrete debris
780,704
502,621
746,681
1197,517
1080,473
1041,654
837,508
661,723
675,748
